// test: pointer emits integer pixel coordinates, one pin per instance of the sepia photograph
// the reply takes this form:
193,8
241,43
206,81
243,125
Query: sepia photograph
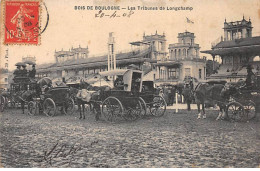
129,84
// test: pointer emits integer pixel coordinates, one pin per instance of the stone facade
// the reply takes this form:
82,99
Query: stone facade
183,61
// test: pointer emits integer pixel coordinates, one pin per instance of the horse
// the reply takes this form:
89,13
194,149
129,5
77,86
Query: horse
23,97
214,94
90,95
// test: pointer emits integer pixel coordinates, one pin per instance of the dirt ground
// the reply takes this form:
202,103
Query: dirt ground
174,140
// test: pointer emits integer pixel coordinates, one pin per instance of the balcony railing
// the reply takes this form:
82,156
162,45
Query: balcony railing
183,44
221,38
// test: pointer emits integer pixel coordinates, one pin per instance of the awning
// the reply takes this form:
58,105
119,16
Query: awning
113,72
117,72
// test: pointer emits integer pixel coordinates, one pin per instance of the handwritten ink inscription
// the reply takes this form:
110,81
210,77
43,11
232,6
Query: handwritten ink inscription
61,150
101,14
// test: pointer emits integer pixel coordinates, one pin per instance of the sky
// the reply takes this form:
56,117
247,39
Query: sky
69,28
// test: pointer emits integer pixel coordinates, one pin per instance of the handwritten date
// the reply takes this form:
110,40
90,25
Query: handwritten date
115,14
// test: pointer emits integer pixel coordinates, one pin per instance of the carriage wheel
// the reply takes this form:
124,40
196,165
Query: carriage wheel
32,108
144,107
68,106
158,106
235,111
250,110
133,112
2,103
49,107
112,109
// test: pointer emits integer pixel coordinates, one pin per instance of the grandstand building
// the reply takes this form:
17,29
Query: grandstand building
149,55
236,49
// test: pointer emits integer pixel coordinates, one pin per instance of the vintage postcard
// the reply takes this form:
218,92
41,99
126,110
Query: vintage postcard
130,84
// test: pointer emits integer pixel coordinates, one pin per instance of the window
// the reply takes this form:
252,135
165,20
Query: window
199,73
184,53
179,54
6,80
187,72
172,73
6,65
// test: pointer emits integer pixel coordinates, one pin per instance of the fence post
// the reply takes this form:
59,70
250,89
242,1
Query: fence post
176,101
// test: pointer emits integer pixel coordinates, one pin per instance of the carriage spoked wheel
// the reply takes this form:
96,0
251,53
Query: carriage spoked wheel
68,106
250,110
32,108
144,107
112,109
2,103
49,107
235,111
158,106
133,110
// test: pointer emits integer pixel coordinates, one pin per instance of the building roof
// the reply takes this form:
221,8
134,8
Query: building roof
249,44
93,62
249,41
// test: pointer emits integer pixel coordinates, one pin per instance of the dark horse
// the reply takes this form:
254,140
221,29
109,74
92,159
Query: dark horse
206,94
211,94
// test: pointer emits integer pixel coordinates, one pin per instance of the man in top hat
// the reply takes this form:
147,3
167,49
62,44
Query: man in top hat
32,72
250,76
24,71
17,71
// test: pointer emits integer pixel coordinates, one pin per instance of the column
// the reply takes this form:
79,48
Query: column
108,59
167,73
225,35
243,32
213,56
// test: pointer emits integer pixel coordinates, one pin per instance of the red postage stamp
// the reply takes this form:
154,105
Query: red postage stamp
22,22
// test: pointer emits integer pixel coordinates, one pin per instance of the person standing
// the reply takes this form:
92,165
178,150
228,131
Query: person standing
17,71
32,72
24,71
250,76
187,93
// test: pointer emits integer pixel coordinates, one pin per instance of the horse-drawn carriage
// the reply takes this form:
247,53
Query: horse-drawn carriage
51,99
239,101
130,97
245,102
119,95
22,84
17,93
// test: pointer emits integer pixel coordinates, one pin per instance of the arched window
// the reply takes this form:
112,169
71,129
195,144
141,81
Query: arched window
179,53
175,53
